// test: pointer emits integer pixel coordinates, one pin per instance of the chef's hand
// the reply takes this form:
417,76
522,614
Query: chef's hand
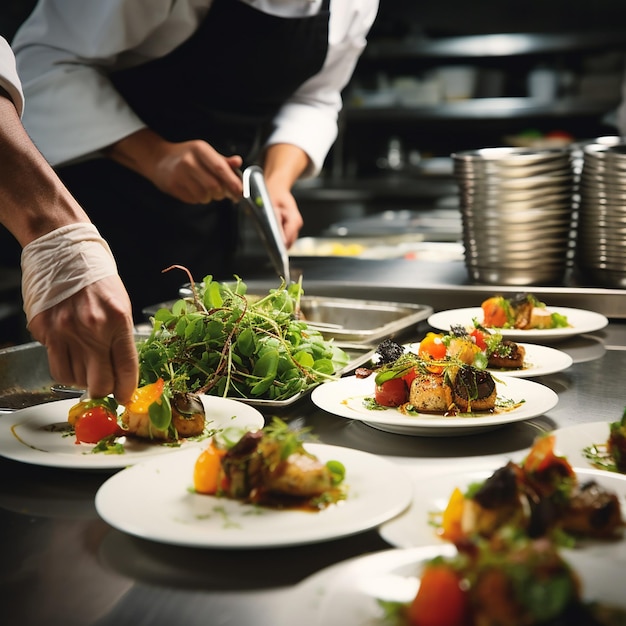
90,340
192,171
287,211
283,165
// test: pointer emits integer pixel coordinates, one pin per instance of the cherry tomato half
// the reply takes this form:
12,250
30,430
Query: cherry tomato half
440,600
95,424
479,338
392,392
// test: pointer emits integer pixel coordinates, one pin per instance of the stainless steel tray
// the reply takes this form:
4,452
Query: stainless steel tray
350,320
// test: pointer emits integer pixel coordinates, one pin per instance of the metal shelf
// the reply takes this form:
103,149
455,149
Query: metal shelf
486,108
494,45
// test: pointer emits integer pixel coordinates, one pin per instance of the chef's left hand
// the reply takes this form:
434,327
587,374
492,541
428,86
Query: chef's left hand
287,212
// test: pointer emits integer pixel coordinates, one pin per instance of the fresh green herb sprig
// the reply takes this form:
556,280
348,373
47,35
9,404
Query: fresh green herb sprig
222,342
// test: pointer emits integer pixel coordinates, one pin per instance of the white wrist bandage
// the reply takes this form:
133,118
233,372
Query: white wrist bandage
61,263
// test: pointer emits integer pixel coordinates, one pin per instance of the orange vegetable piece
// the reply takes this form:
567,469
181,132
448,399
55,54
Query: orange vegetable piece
494,312
432,348
144,396
542,456
206,471
452,516
439,601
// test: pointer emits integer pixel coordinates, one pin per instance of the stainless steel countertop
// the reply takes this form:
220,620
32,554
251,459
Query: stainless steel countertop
442,285
62,564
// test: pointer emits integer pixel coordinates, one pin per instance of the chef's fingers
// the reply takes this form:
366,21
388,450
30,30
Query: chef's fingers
60,362
125,364
220,171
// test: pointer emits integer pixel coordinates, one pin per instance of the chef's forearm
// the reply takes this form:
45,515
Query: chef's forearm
138,151
33,201
284,163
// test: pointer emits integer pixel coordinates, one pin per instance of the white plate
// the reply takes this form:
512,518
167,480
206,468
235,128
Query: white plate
40,435
347,593
571,441
344,397
414,527
539,361
153,500
581,322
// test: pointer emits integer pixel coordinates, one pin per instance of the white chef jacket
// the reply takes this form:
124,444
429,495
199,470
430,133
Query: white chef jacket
65,48
9,80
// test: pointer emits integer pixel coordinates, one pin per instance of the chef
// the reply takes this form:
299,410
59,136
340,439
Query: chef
146,107
74,300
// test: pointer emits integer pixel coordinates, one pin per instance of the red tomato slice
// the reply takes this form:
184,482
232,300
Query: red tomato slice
95,424
392,392
440,601
479,338
409,377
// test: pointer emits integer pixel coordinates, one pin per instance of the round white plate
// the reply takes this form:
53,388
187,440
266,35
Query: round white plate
539,361
154,500
581,322
40,435
348,593
572,440
415,528
344,397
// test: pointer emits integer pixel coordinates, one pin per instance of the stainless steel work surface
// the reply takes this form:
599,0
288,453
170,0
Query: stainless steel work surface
61,563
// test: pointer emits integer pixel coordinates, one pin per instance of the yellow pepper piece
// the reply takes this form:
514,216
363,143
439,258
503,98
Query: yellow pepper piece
144,396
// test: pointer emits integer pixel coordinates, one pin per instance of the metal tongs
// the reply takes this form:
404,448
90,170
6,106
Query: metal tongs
260,207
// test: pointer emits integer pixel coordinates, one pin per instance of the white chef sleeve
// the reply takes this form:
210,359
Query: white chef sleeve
9,80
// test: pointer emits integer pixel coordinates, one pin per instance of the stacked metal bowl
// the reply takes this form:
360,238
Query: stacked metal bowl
516,209
601,232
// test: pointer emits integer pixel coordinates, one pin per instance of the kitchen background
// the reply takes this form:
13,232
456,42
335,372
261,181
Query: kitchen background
438,78
441,77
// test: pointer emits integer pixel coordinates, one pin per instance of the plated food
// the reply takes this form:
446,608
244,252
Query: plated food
156,500
523,311
597,444
380,588
445,375
580,322
269,467
541,496
351,397
43,435
537,360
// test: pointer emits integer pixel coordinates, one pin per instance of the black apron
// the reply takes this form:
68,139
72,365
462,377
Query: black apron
224,85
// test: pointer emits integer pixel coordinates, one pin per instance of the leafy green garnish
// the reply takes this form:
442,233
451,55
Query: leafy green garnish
222,342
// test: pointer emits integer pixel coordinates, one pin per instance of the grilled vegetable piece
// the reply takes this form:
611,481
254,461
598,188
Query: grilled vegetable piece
473,390
188,414
507,355
592,511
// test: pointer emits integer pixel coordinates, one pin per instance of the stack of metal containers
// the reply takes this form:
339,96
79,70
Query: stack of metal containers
517,214
601,238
